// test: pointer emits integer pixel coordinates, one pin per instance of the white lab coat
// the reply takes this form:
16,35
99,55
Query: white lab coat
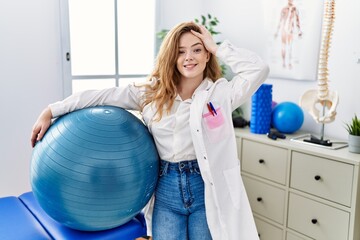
228,211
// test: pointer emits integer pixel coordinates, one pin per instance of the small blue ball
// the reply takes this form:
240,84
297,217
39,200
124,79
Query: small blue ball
287,117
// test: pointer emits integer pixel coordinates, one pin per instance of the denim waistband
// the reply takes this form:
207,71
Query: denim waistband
191,166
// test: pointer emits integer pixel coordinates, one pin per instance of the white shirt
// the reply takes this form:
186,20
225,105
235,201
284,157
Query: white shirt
172,133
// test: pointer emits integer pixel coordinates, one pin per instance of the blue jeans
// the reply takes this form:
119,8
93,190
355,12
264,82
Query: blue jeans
179,209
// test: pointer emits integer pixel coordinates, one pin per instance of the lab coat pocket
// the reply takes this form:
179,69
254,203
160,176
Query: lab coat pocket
233,182
215,126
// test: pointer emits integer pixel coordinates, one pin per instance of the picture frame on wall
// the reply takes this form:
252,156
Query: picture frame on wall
293,31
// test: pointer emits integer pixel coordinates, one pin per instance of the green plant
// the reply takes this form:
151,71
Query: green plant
354,126
209,22
238,113
161,35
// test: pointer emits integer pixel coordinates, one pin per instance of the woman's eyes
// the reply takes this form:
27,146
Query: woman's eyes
197,50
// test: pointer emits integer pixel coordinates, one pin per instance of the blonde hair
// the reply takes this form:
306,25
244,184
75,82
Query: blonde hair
163,92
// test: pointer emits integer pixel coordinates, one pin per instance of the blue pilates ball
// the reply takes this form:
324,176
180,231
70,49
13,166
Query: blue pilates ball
287,117
95,168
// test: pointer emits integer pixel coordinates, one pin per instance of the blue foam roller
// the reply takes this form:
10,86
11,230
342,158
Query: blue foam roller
261,109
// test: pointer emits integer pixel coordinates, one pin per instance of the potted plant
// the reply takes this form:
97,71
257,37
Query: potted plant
353,129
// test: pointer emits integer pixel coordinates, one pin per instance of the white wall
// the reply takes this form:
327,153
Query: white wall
30,68
30,78
172,12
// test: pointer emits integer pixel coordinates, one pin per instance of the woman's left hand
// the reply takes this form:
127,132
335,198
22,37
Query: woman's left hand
206,38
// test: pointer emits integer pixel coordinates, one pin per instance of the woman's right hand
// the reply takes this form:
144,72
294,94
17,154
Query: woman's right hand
206,38
41,126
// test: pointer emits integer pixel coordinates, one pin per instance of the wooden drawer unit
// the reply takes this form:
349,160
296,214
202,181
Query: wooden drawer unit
268,231
266,200
317,220
300,192
322,177
266,161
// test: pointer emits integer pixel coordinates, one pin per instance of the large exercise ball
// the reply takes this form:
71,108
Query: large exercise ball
287,117
95,168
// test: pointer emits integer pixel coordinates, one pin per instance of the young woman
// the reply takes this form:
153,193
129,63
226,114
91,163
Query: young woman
187,107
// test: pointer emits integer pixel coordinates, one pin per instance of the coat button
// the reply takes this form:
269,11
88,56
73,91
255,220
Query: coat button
205,157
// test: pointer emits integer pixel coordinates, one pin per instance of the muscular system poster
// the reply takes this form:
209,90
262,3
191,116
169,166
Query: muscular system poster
293,30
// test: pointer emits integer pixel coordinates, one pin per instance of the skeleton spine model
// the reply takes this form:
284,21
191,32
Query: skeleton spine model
323,96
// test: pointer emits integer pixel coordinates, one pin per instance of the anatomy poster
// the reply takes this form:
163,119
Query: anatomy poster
293,30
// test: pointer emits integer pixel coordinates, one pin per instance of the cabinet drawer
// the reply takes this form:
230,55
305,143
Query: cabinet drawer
322,177
266,200
317,220
291,236
263,160
268,231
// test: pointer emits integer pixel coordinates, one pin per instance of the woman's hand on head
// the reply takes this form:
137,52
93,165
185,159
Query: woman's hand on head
41,126
206,38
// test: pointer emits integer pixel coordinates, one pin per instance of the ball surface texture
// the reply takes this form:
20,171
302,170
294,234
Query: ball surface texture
287,117
95,168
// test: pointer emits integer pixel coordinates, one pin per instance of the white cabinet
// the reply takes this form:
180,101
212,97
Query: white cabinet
317,220
266,200
267,231
323,177
265,161
298,191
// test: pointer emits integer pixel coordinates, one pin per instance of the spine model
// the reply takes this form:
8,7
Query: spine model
322,95
327,30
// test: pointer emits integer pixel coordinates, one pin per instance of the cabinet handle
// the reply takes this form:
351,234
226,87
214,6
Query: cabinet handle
261,161
259,199
314,221
317,177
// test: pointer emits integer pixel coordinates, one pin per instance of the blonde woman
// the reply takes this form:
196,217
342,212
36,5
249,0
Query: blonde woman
187,107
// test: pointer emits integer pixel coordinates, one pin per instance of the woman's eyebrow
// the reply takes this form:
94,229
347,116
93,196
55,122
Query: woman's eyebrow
195,44
199,43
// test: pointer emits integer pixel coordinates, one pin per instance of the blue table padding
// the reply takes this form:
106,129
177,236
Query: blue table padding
129,231
17,223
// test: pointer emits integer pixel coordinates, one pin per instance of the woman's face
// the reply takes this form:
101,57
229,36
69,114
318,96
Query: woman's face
192,57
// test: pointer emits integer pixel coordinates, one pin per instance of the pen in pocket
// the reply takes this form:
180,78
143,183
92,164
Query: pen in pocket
212,107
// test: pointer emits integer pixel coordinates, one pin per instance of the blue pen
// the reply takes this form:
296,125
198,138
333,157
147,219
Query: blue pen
212,107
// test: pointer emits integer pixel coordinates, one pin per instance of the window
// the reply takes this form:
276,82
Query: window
107,42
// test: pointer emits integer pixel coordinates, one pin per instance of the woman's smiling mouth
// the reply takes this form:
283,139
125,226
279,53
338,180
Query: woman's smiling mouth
190,66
